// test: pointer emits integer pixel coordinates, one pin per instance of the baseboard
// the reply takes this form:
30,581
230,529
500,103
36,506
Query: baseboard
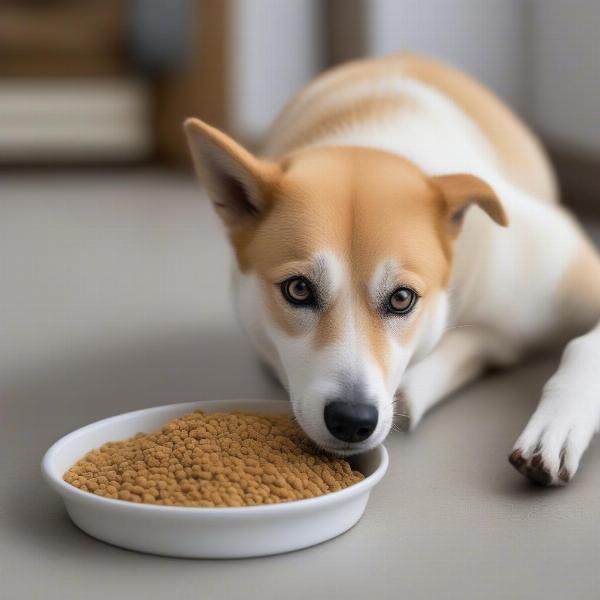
579,177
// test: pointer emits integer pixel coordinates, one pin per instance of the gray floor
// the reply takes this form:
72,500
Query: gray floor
113,290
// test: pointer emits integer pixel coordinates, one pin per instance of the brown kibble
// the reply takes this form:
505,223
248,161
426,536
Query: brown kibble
213,460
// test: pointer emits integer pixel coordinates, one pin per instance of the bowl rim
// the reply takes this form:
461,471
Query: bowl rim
68,491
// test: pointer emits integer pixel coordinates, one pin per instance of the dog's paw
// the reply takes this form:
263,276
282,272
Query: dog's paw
549,453
535,469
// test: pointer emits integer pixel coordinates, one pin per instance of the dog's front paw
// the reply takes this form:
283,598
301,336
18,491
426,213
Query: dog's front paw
549,453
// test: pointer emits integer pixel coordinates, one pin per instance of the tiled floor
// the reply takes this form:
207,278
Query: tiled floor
113,290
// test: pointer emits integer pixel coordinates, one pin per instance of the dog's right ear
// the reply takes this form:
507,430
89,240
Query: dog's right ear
237,182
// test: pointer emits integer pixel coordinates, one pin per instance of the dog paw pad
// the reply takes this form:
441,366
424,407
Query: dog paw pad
533,467
516,459
564,475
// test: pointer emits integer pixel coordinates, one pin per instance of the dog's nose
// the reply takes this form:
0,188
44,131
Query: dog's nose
350,421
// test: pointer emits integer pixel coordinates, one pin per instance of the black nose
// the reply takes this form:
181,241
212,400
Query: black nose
350,421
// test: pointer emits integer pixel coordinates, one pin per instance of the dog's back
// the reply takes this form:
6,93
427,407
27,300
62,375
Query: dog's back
425,110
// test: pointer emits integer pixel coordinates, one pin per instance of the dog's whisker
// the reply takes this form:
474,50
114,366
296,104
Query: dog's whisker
400,414
458,327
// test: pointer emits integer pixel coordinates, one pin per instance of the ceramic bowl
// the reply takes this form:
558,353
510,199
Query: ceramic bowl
204,532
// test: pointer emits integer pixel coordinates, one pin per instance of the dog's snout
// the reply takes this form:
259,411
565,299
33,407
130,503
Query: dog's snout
350,421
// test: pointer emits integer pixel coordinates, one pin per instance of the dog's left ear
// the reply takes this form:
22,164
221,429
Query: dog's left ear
237,182
462,190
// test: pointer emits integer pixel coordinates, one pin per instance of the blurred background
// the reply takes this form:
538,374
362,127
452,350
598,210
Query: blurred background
105,238
114,272
108,82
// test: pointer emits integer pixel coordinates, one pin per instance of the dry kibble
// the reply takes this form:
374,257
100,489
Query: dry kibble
214,460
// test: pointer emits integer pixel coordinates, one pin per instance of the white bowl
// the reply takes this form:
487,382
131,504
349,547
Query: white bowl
204,532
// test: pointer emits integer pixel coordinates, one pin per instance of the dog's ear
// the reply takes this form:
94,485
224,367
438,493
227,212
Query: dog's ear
237,182
461,191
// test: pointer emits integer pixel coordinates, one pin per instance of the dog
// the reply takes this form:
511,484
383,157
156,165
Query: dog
400,233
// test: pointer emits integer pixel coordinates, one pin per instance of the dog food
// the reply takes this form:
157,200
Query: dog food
213,459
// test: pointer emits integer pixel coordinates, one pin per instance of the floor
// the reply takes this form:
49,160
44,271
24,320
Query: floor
113,289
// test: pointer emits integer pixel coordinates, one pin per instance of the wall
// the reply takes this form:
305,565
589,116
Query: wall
276,49
565,58
485,38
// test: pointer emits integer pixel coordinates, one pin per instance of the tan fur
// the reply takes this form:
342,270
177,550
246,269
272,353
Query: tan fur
330,324
336,118
580,287
461,190
220,162
364,205
521,155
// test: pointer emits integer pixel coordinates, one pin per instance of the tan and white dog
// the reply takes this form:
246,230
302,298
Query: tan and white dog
364,280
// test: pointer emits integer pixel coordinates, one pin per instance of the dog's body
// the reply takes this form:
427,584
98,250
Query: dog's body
358,216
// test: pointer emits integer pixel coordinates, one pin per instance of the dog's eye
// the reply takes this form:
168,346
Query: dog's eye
402,301
298,291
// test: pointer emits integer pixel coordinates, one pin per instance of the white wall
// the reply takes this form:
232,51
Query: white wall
565,59
485,37
542,56
276,50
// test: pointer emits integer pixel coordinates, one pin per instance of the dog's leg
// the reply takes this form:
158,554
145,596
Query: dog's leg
551,446
461,356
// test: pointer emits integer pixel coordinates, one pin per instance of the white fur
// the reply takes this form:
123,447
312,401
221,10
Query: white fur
569,412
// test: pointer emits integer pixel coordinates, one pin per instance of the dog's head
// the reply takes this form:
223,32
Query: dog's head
344,256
